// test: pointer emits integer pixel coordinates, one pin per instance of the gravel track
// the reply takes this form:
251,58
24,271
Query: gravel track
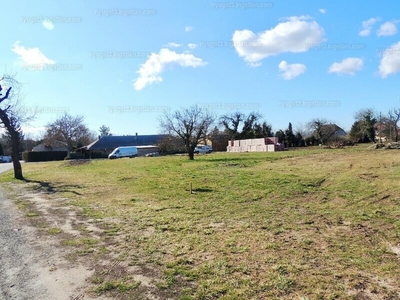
32,267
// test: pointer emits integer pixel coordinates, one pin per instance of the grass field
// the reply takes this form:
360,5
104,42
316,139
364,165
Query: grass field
304,224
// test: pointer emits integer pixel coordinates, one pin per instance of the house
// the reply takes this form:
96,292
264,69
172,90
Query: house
105,145
219,141
47,152
269,144
327,133
49,147
386,132
337,131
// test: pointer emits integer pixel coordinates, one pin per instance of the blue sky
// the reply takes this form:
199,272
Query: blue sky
122,63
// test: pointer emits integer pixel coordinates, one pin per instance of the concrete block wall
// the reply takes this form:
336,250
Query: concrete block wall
269,144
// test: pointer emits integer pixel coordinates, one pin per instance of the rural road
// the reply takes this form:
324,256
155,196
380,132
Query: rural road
5,167
32,266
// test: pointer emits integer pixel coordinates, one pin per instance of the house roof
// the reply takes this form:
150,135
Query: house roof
55,146
336,130
114,141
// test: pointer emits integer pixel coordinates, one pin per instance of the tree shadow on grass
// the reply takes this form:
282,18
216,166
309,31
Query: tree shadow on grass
51,189
202,190
244,161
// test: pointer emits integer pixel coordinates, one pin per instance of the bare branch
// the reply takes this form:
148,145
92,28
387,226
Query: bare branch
189,124
69,131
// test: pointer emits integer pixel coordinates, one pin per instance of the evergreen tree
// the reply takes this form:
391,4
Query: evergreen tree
289,136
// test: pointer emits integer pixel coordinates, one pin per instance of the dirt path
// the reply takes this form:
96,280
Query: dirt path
32,267
35,264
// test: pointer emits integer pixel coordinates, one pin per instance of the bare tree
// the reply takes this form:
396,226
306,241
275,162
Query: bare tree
231,124
171,144
322,129
302,132
302,129
239,126
393,119
189,124
12,115
69,131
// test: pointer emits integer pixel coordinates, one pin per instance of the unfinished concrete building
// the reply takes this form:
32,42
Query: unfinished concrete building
269,144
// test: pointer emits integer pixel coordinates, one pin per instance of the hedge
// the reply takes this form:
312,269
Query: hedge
35,156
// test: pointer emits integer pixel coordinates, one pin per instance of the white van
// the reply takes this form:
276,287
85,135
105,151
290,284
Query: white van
120,152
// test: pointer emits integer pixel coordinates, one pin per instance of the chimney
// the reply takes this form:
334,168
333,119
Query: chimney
136,136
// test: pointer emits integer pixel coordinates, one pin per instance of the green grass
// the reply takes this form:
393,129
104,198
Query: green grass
55,230
31,214
113,285
306,224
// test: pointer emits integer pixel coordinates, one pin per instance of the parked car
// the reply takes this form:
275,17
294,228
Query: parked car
152,154
120,152
202,149
5,159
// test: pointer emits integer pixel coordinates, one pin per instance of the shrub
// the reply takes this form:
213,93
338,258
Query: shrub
34,156
25,156
98,154
74,155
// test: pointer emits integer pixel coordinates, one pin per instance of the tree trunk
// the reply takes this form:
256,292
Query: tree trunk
190,150
17,167
191,154
15,135
15,157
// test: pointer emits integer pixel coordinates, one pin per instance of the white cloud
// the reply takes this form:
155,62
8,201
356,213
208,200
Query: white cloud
32,57
386,29
172,45
156,64
367,26
290,71
48,24
192,46
347,66
294,35
390,63
188,28
322,10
